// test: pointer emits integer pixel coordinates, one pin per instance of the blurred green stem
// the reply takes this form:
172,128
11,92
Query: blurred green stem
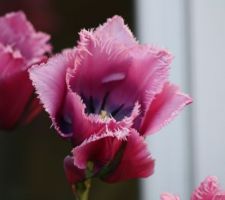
82,190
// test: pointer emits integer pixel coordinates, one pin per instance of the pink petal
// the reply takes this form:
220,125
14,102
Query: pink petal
134,116
136,161
12,79
50,81
147,71
98,67
115,29
73,174
11,62
168,196
164,108
10,89
219,196
71,120
21,35
207,190
99,149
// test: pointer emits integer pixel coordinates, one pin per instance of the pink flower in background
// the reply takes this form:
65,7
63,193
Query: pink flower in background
20,47
167,196
209,189
105,96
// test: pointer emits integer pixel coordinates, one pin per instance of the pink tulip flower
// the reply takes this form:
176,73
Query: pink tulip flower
209,189
105,96
20,47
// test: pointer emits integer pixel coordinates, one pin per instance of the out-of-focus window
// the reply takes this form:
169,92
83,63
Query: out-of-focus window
193,146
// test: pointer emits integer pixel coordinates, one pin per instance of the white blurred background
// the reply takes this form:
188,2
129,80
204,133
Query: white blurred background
193,146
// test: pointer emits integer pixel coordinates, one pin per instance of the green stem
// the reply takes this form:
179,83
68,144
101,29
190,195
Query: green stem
82,190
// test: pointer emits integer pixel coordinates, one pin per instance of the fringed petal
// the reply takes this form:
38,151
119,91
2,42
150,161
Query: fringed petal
49,80
207,189
99,148
116,30
163,109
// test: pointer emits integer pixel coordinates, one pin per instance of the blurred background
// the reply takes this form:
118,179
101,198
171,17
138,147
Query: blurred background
189,149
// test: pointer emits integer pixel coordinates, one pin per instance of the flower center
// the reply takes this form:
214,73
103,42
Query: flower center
104,109
104,114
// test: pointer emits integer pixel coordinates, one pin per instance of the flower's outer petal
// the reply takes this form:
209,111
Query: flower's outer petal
207,189
73,174
11,62
99,149
116,30
12,108
164,108
168,196
49,80
21,35
136,161
14,82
